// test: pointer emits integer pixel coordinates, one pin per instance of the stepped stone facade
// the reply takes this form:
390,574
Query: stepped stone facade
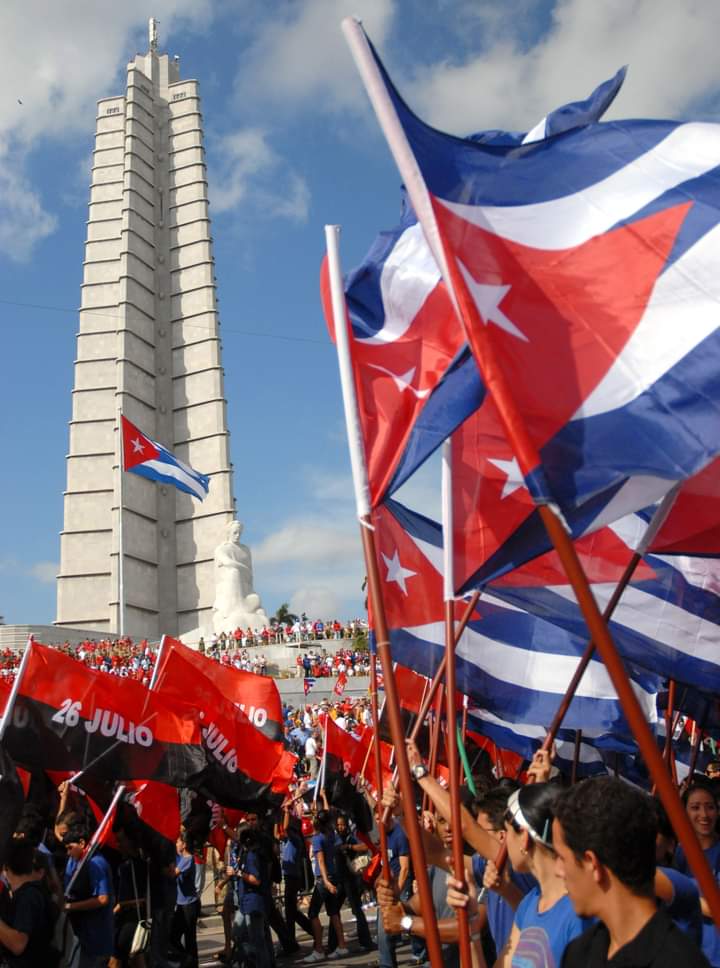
147,346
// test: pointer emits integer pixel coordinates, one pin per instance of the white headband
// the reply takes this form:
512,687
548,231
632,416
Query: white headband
515,811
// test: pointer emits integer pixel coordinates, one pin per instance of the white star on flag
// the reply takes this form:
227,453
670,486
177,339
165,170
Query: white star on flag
487,299
396,572
402,380
511,469
138,446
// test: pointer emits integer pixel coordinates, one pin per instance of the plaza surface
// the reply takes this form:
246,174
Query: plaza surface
210,941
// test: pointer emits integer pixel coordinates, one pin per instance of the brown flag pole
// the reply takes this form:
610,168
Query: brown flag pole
382,638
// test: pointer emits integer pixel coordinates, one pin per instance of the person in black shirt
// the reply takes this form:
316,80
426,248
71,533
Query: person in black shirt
27,934
604,837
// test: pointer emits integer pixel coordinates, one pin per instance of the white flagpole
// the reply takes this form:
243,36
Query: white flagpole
342,341
15,688
156,667
121,548
102,826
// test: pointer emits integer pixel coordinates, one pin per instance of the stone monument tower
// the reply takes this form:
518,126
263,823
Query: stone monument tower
148,345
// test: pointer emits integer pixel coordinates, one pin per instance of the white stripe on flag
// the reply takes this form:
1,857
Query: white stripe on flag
562,223
176,473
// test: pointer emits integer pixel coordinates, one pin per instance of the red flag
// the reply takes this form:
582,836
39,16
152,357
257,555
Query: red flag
243,764
693,525
339,687
69,717
256,696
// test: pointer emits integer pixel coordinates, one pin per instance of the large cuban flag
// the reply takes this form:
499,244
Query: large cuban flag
146,457
415,378
514,665
585,266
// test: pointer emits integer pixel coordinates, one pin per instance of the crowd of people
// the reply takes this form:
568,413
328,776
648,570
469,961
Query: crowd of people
129,659
594,876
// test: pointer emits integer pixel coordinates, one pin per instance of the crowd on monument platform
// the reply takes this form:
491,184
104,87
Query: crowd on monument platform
135,659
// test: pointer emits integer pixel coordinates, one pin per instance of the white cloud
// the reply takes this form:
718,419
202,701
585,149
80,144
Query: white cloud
58,59
246,172
45,571
310,539
23,219
317,602
670,47
300,53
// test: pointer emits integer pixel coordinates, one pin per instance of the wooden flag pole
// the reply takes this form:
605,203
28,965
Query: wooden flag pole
382,639
377,754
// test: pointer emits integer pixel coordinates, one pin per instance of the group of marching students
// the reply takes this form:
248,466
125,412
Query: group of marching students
594,876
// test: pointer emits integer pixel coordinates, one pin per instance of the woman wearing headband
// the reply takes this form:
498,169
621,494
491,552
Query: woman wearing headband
544,920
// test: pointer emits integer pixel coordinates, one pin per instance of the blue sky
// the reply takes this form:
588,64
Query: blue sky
291,145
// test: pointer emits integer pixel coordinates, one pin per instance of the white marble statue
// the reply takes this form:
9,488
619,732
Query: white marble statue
236,604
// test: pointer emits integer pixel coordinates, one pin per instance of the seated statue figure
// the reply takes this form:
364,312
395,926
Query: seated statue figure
236,604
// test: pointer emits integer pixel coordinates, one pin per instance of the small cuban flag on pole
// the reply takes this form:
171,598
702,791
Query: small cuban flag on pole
308,683
146,457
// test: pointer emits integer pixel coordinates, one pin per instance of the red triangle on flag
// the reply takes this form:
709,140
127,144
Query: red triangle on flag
137,448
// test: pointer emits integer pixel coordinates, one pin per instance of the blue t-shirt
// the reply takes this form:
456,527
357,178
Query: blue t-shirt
327,843
186,890
499,913
291,856
250,897
94,929
398,846
684,908
544,936
710,934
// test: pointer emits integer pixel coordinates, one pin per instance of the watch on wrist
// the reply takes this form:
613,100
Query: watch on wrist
419,771
406,922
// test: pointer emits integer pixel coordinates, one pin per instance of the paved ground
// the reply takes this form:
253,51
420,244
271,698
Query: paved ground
210,940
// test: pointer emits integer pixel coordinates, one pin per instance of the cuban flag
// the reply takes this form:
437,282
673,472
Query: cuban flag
525,739
667,621
510,663
308,684
146,457
584,267
415,379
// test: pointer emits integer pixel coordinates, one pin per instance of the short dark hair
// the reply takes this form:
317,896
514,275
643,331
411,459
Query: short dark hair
699,782
75,833
19,857
618,823
494,805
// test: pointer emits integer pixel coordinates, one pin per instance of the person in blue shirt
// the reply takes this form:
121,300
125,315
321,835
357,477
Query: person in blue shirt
252,896
399,858
702,810
349,847
325,893
545,921
183,931
292,861
88,886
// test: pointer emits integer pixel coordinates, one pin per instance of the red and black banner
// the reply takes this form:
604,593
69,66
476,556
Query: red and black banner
70,718
255,696
243,765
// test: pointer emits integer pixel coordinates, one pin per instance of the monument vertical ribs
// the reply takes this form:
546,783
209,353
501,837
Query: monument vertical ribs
148,346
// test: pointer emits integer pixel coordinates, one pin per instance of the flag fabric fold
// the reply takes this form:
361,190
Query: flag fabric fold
151,460
256,696
243,765
514,664
587,260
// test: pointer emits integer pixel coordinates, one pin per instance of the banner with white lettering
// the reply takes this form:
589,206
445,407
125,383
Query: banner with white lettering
69,717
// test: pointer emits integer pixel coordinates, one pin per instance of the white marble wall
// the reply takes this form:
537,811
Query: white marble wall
148,344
